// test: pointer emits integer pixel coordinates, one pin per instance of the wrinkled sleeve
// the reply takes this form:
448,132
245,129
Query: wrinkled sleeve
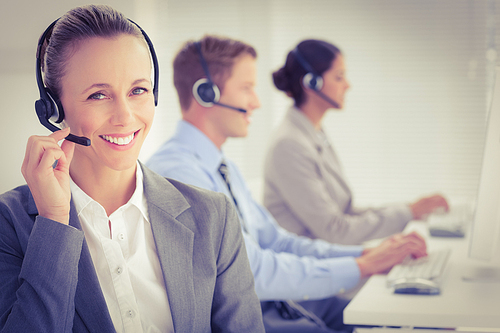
38,286
287,276
299,268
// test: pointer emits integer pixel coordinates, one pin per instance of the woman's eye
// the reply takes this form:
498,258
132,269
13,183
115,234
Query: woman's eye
138,91
97,96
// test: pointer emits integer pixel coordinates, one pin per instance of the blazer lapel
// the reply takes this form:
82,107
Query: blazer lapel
174,244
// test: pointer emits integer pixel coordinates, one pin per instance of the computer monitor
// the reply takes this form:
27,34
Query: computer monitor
484,243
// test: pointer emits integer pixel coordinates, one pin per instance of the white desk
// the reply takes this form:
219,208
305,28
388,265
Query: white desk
461,304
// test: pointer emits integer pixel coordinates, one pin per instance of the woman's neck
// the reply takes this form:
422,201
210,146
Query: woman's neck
314,113
110,188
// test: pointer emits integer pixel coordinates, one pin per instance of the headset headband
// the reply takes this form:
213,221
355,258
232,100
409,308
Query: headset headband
203,61
303,62
46,35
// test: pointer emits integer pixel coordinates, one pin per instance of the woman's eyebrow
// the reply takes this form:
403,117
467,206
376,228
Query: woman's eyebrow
105,85
97,85
140,81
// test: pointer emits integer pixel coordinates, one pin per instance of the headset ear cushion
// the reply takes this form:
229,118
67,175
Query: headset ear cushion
41,109
54,107
312,81
205,92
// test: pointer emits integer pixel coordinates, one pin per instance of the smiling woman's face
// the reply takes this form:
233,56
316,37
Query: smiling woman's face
108,97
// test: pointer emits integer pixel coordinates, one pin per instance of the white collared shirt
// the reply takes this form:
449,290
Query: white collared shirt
124,254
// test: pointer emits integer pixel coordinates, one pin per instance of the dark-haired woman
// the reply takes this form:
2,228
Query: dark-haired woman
305,187
97,242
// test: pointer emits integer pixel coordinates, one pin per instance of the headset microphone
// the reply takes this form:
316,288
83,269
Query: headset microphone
230,107
41,111
312,80
328,99
205,91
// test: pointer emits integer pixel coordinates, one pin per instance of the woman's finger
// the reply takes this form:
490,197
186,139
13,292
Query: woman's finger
37,144
68,148
59,135
39,148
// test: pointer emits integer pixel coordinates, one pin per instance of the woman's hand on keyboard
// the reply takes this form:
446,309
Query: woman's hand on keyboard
390,252
425,206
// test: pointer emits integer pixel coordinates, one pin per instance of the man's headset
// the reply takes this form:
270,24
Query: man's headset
49,108
205,91
312,80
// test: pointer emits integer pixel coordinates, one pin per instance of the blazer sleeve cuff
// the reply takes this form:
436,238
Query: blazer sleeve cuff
52,247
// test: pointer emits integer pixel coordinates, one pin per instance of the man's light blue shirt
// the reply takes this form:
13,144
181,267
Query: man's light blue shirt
285,266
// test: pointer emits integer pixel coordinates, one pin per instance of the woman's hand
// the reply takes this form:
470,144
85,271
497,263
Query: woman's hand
390,252
49,185
425,206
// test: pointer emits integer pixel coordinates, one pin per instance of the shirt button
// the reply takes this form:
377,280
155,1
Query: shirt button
121,236
119,270
306,297
130,314
342,290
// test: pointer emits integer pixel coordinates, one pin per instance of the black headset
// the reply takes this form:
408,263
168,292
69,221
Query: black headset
205,91
312,80
49,108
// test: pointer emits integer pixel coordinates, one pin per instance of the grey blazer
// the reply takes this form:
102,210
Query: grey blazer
48,282
306,191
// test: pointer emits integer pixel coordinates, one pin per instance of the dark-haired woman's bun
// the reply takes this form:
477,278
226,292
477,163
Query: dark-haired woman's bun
281,80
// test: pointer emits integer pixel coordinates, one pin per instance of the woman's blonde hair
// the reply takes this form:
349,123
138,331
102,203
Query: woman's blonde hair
73,27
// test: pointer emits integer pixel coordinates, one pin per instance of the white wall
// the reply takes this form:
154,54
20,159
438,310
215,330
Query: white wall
414,118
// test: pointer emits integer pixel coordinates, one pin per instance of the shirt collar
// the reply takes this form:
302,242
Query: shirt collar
200,144
80,198
138,199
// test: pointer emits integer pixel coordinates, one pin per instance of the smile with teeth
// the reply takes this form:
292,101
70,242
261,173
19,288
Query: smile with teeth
121,141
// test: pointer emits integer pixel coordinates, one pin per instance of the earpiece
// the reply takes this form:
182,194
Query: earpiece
49,108
205,91
312,80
